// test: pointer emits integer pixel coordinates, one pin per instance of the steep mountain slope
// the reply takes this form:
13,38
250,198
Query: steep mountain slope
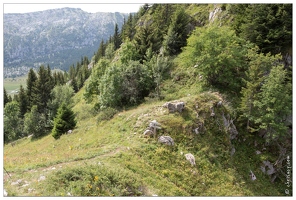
56,37
184,137
114,158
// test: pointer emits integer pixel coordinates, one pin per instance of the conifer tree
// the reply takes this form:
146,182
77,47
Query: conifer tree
259,66
64,121
42,89
31,81
23,101
116,37
177,33
5,97
275,104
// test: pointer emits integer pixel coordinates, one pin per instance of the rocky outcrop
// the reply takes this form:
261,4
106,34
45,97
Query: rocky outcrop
175,106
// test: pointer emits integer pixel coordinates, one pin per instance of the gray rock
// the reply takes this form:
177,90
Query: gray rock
252,176
190,158
176,106
166,140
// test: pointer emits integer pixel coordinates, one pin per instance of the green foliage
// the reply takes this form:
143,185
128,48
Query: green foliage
267,25
60,94
64,121
159,65
110,50
92,86
12,121
34,123
275,104
116,38
259,66
128,51
137,84
42,89
177,33
5,97
31,82
218,56
23,101
93,180
106,114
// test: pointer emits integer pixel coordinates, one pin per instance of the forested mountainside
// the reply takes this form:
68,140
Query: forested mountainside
184,100
56,37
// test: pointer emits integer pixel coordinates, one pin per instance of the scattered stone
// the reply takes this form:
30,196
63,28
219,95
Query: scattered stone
220,103
69,194
148,132
176,106
25,185
258,152
41,178
196,130
153,126
255,143
190,158
154,195
53,168
270,167
232,151
69,131
212,111
166,140
29,136
5,193
31,190
252,176
17,182
230,127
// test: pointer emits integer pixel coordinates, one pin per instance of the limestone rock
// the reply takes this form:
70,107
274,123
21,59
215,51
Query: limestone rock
175,106
190,158
166,140
252,175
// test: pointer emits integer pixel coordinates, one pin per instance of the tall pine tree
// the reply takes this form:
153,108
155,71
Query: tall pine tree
31,81
23,101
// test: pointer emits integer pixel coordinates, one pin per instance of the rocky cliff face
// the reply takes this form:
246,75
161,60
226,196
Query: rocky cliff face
57,37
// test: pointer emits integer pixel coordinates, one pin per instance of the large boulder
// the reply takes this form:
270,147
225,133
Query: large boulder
166,140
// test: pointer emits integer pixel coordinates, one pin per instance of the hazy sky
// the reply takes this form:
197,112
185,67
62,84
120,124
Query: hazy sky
91,8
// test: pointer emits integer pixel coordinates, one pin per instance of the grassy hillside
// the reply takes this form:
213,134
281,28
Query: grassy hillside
107,153
113,158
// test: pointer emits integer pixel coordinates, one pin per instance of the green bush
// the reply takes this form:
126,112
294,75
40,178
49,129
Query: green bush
92,181
106,114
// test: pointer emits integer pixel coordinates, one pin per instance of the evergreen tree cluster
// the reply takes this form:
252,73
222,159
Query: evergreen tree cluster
32,111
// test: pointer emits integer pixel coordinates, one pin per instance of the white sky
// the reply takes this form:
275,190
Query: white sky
91,8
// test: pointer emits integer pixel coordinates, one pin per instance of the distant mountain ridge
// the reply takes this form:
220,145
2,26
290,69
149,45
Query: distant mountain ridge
58,37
